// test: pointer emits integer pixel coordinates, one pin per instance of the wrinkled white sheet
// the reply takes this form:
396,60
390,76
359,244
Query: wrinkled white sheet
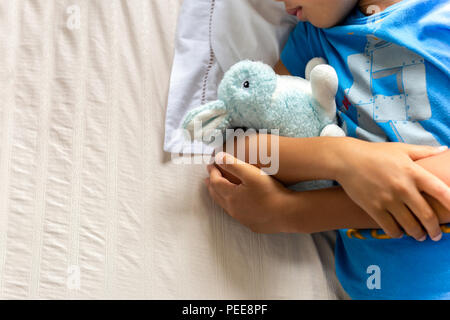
90,205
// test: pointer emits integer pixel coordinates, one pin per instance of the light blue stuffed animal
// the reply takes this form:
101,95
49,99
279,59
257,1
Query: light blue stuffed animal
251,95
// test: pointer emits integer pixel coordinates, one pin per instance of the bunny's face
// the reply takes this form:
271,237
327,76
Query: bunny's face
248,85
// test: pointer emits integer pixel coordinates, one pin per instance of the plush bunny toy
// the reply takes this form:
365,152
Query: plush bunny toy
251,95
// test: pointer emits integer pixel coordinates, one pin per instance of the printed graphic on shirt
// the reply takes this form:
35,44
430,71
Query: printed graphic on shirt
389,93
364,234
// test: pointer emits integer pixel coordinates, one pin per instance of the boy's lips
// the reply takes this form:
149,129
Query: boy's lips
296,12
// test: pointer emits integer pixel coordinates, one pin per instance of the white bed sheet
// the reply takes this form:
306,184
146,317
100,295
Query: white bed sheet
85,185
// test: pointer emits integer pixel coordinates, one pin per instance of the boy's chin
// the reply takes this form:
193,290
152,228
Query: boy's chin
322,24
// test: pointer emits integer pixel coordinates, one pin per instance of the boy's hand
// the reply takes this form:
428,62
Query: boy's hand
384,180
259,202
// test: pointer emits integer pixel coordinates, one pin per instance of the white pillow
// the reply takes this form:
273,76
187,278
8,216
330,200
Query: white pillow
213,35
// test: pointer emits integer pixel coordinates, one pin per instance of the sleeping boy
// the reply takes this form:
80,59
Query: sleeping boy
393,62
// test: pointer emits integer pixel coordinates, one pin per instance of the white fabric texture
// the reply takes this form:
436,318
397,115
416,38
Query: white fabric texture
213,35
86,191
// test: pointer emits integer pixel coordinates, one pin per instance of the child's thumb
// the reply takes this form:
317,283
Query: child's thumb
420,152
240,169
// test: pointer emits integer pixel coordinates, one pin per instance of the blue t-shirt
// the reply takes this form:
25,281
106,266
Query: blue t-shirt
394,81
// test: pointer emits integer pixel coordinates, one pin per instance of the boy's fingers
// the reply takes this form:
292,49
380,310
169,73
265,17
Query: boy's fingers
423,211
240,169
218,183
433,186
417,152
388,224
216,197
408,222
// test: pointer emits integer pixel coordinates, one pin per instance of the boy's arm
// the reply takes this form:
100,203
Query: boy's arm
380,178
312,213
329,209
263,205
281,69
357,218
439,166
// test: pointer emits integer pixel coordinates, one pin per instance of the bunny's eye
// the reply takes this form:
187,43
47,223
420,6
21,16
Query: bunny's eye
246,84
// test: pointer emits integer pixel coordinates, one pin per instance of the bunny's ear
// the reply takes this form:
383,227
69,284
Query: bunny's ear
324,86
314,62
201,122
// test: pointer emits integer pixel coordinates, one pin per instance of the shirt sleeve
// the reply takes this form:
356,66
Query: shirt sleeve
300,48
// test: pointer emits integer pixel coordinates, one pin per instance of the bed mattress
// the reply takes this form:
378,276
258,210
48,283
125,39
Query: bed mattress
90,205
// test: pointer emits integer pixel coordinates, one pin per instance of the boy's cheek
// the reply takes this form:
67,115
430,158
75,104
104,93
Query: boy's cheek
327,13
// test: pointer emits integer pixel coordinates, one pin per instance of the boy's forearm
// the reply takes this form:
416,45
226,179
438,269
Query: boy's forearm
303,159
332,209
299,159
324,210
439,166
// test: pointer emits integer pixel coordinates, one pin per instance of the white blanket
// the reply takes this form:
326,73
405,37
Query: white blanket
90,205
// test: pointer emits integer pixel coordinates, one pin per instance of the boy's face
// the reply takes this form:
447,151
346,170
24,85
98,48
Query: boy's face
320,13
